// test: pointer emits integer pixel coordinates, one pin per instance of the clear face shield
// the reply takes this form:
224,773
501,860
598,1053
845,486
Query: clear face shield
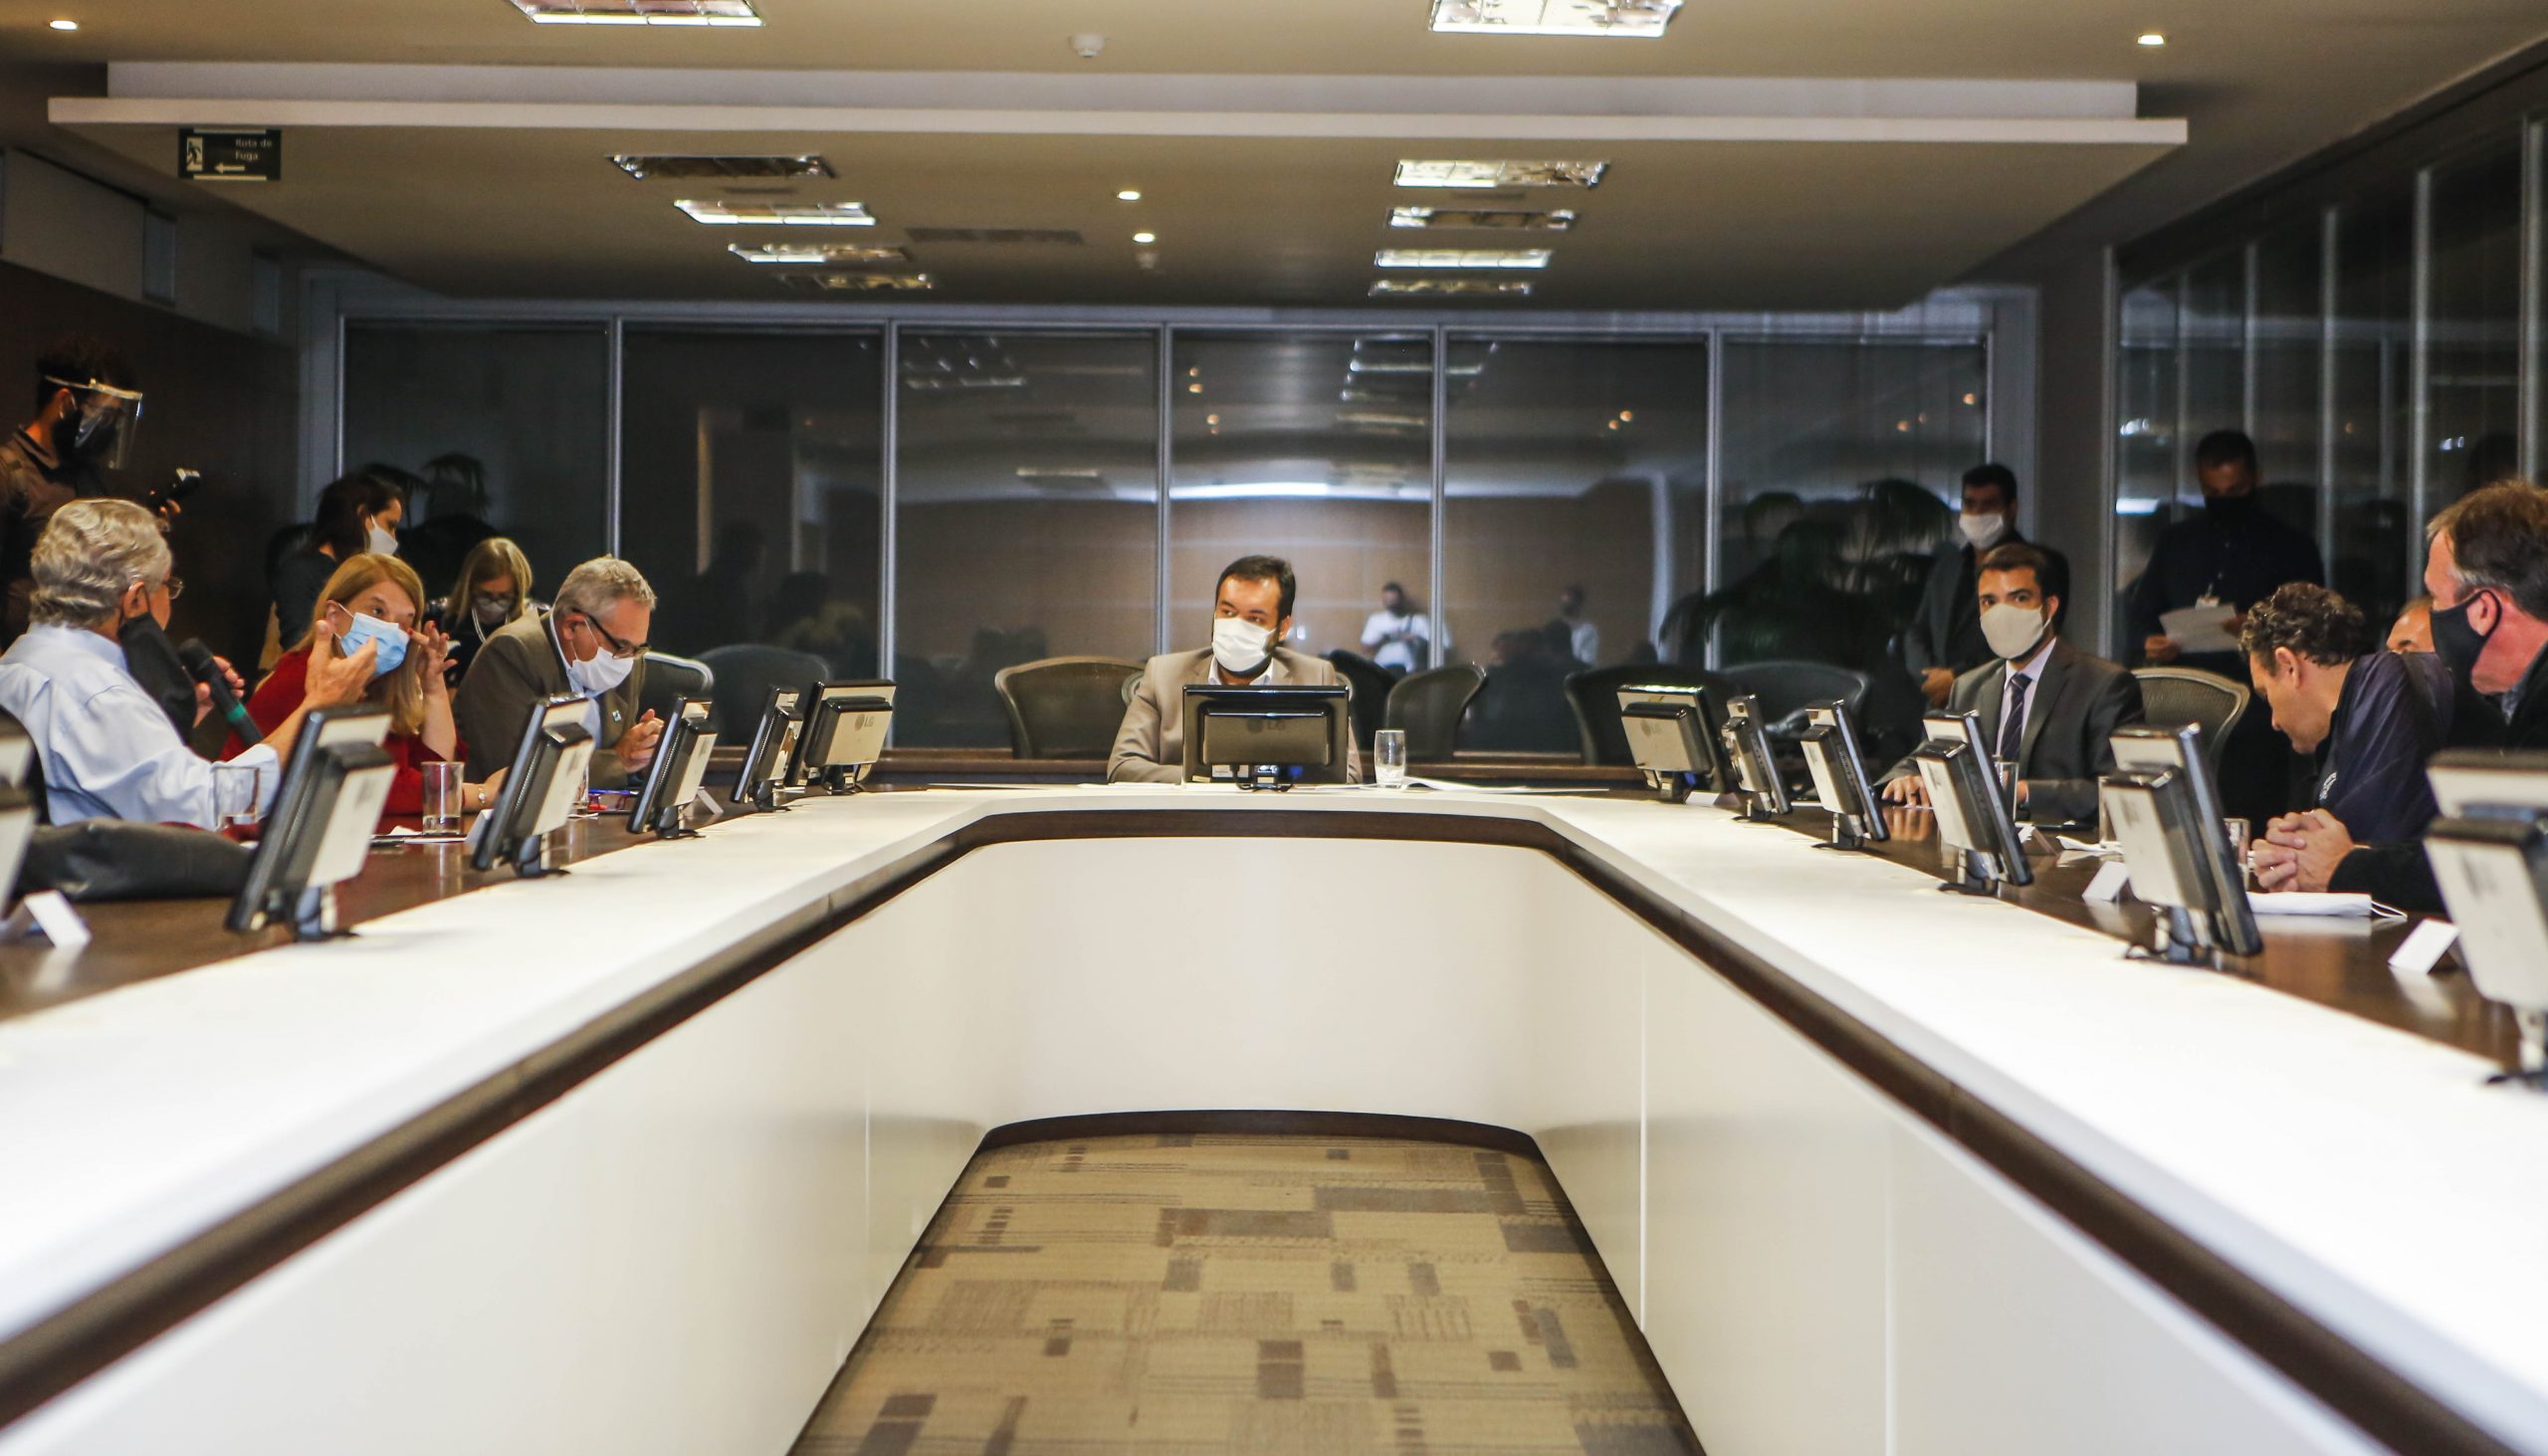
108,418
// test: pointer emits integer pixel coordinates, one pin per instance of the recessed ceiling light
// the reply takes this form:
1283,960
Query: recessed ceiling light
1463,258
1452,218
819,254
1636,19
2153,39
1146,238
778,214
1503,288
1128,196
648,166
1481,174
63,24
640,12
858,283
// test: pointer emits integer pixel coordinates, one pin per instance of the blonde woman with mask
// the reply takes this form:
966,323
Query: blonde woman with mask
378,599
494,590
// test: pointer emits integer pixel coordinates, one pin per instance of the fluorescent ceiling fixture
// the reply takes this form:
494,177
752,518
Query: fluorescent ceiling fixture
1503,288
2153,39
1477,174
63,24
1146,239
858,283
778,214
1454,218
1382,421
640,12
818,255
1463,258
646,166
1634,19
1128,196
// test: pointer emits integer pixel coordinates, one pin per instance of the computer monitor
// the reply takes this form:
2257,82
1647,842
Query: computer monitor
1757,784
1268,738
319,832
1840,777
539,792
2489,853
765,768
673,779
843,735
1974,823
2167,816
1675,740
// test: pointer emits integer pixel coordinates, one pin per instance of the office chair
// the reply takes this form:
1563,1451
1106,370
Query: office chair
669,677
1427,707
743,673
1065,707
1789,687
1594,697
1371,682
2175,696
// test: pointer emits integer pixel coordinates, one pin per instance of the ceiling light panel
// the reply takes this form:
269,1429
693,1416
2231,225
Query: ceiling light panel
640,12
1483,174
1463,258
858,283
1496,288
819,254
778,214
1454,219
647,167
1630,19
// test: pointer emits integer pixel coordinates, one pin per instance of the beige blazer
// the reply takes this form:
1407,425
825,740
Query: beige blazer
519,666
1151,747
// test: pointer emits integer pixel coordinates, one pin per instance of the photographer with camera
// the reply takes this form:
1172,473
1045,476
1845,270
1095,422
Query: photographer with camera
88,410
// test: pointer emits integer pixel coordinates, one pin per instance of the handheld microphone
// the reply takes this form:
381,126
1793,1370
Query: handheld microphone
186,483
201,668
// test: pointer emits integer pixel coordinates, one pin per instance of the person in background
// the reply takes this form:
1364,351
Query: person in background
376,599
2412,631
107,749
590,644
491,592
1396,637
1582,639
356,513
87,406
2047,709
2233,554
1944,640
2487,571
1251,615
2372,716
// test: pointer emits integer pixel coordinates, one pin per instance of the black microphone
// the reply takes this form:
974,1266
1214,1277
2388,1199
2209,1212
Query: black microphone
201,666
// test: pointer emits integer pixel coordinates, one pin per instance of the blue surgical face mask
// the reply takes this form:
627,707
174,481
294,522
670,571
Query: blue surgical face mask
391,637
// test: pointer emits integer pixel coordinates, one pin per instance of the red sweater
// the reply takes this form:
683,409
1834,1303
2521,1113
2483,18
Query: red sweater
282,692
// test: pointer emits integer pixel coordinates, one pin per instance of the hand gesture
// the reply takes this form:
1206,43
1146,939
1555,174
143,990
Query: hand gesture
430,647
1936,684
203,691
1908,789
637,746
2314,844
335,680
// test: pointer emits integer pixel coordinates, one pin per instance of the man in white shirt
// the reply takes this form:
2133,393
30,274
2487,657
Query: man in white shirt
1582,637
106,748
1394,637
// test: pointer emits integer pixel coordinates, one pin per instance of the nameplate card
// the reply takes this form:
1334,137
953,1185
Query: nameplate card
2111,880
48,913
2421,952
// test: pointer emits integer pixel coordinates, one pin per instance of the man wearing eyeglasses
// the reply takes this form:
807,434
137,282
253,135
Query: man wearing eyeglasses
590,644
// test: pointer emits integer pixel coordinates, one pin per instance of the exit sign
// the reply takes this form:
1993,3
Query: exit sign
206,155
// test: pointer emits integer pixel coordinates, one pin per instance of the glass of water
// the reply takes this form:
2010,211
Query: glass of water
2236,830
1389,758
234,795
441,799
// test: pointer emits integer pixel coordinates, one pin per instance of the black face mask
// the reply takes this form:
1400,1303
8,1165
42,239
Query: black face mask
2457,643
2230,509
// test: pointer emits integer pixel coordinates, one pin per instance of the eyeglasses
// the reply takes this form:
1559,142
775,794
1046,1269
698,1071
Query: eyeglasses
617,647
175,585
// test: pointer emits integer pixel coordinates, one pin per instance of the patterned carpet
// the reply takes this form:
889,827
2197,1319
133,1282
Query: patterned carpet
1183,1294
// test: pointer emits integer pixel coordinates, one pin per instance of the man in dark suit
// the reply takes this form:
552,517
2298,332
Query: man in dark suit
2045,705
1944,640
592,645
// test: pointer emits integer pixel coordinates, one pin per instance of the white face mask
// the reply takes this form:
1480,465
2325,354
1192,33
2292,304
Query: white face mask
1240,647
2013,630
1982,531
376,540
599,673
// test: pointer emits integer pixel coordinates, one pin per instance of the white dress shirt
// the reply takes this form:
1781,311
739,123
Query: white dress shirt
2032,671
108,751
1385,623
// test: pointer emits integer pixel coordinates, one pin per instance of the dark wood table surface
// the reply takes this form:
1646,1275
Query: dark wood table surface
2339,965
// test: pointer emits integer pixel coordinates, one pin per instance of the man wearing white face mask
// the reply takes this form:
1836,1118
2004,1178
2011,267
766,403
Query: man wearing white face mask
1944,639
592,645
2046,707
1251,615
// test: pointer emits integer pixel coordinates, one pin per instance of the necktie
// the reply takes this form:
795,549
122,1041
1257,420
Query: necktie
2012,723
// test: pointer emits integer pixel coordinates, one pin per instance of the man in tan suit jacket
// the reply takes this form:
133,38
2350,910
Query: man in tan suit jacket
592,645
1251,613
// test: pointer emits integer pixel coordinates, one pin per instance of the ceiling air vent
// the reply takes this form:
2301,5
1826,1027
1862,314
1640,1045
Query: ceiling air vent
649,167
640,12
1004,236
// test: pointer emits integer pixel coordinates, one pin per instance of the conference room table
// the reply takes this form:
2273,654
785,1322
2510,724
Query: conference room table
622,1160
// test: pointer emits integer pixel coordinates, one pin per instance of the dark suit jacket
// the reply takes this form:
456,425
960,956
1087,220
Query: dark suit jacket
516,668
2397,872
1946,630
2078,703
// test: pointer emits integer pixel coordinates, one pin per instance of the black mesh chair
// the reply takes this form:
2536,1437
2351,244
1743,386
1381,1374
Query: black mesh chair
1427,707
1065,707
669,677
743,674
1594,697
1785,689
1371,682
2174,697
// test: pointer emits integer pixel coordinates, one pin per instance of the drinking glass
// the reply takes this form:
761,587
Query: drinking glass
2237,830
442,798
234,795
1389,758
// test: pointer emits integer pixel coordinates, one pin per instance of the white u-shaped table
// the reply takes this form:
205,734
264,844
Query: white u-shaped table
623,1162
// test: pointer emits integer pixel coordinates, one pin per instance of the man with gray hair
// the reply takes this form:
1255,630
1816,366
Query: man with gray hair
590,644
107,749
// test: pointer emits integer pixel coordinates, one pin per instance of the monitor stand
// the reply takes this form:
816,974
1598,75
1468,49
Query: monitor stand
531,859
1845,834
2172,939
313,914
1979,875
